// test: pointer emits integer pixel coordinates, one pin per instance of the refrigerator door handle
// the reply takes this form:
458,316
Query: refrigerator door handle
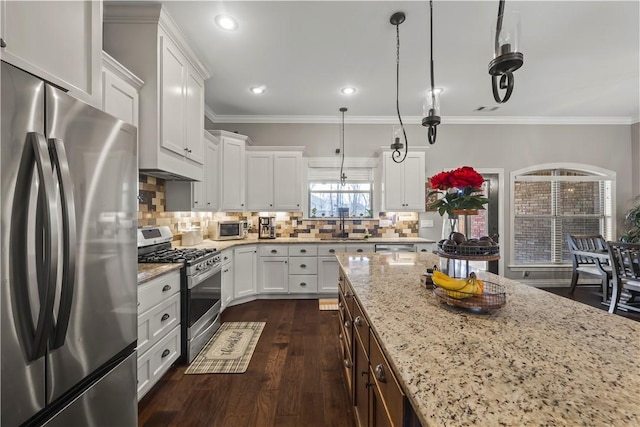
69,241
34,337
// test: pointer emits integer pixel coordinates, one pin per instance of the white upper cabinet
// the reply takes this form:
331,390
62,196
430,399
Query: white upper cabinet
403,183
120,91
198,195
59,41
274,179
233,179
147,41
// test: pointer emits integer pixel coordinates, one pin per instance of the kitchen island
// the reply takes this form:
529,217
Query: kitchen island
539,360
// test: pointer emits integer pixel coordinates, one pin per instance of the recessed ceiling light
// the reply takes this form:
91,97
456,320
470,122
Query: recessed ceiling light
226,22
257,90
348,90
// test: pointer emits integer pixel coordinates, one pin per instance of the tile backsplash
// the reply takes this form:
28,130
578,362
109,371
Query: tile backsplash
151,211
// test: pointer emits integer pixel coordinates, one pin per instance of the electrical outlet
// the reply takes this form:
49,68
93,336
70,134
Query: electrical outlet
385,223
294,222
426,223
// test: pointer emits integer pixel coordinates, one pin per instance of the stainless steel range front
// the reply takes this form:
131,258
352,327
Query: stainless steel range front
200,285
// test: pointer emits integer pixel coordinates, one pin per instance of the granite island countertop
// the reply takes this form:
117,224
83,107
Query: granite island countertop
540,360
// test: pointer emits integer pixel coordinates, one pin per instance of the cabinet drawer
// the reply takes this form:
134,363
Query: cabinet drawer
324,250
390,391
273,250
227,257
361,326
155,362
155,323
360,247
425,247
303,284
303,250
157,290
303,265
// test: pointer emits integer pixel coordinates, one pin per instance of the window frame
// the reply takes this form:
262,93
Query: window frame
370,192
594,173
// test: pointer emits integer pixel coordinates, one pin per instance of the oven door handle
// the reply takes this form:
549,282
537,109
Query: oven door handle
196,280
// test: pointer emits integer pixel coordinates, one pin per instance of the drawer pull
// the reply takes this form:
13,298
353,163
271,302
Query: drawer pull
165,353
423,250
331,251
303,284
347,324
359,250
138,303
379,373
303,251
340,336
164,317
357,321
166,288
340,305
274,251
347,363
226,271
303,265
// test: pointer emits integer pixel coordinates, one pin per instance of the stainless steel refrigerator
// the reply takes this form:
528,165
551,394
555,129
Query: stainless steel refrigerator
68,301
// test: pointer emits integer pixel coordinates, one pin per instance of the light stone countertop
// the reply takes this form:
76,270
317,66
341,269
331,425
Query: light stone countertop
147,272
540,360
251,240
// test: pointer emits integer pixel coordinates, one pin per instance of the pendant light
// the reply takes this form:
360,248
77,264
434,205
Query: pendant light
397,19
506,57
431,106
343,176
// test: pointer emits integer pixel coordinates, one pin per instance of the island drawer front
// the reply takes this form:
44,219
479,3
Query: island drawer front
156,322
326,250
390,390
303,284
303,265
361,326
157,290
361,247
273,250
303,250
347,360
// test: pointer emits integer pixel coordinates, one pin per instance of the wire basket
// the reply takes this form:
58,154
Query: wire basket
468,251
493,297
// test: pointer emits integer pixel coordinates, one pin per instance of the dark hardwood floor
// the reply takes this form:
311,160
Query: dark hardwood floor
591,295
294,378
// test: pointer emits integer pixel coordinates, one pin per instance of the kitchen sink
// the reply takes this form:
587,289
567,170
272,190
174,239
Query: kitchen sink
343,239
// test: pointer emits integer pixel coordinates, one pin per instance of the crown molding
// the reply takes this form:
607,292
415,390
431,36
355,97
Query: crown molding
452,120
210,114
121,71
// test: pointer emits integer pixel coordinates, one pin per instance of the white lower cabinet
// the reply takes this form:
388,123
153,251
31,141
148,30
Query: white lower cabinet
328,274
158,328
425,247
245,271
303,284
226,290
274,275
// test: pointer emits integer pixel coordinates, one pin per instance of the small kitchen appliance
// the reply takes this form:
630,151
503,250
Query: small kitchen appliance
228,230
267,227
200,282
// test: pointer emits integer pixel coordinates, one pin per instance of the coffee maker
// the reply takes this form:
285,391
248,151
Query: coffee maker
267,227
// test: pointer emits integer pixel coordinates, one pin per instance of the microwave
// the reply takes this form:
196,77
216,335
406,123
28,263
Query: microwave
228,230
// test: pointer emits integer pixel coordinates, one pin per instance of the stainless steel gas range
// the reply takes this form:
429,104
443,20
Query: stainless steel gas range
200,285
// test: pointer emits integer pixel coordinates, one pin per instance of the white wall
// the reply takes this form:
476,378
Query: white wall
508,147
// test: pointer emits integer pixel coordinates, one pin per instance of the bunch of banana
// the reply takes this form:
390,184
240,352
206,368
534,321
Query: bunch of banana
459,288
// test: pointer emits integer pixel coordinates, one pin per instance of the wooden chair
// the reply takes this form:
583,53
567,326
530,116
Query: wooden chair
589,265
625,261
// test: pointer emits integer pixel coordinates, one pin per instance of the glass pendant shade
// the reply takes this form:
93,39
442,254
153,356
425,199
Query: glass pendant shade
431,108
396,143
507,56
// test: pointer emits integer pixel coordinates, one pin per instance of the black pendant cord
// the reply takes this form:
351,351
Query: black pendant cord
343,177
396,153
431,130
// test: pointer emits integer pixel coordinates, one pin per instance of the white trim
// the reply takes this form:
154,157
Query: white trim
501,211
121,71
416,120
210,114
349,162
569,166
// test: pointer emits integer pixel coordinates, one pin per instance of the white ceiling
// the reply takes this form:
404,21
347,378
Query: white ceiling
581,59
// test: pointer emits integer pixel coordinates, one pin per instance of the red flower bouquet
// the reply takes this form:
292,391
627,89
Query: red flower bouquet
461,190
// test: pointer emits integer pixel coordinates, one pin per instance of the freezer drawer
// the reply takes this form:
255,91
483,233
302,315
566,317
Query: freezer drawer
109,402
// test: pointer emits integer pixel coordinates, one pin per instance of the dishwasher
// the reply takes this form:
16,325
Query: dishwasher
390,248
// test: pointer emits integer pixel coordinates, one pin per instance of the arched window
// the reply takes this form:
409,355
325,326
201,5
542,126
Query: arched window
551,201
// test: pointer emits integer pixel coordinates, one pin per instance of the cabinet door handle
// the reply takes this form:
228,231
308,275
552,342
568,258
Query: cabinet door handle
347,324
331,251
357,321
303,251
165,353
379,373
347,363
164,317
340,305
303,265
225,271
303,284
274,251
340,336
166,288
2,43
270,204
